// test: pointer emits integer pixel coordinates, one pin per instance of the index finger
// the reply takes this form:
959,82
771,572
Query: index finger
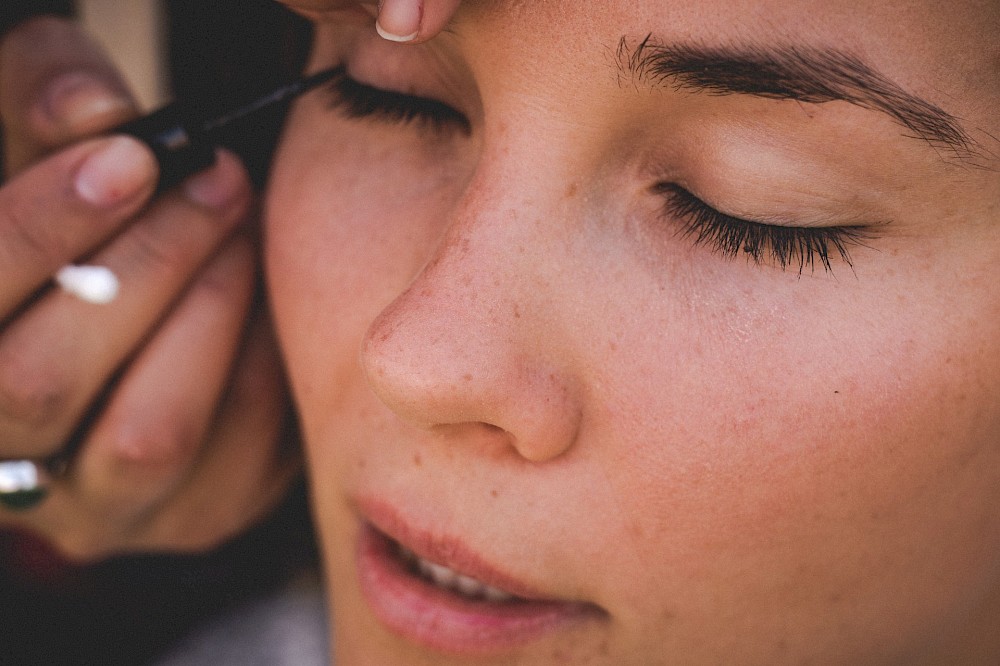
64,206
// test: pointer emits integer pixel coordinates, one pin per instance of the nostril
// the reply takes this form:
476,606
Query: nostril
469,386
448,356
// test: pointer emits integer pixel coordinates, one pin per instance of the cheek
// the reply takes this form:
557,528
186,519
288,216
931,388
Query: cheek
834,435
348,224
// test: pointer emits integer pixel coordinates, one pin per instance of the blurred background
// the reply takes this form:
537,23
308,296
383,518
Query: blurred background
134,33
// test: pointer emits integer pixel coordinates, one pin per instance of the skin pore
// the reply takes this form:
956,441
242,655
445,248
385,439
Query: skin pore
701,362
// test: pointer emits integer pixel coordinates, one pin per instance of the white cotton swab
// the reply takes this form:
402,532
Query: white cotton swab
93,284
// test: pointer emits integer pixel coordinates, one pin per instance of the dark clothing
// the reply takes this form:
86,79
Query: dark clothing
127,610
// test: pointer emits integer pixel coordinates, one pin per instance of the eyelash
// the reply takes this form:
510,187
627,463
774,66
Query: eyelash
357,100
786,246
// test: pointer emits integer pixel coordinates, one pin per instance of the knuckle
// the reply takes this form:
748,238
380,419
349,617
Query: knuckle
156,448
31,396
28,235
153,251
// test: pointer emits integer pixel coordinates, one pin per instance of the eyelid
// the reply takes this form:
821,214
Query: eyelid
783,244
435,69
363,100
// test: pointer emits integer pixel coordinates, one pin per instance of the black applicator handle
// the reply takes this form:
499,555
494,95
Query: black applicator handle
184,141
179,142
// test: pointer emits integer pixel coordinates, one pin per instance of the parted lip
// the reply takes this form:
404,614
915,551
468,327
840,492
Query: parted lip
442,548
436,617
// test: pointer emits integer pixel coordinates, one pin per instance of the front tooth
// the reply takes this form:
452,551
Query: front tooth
442,575
470,587
493,594
449,579
424,567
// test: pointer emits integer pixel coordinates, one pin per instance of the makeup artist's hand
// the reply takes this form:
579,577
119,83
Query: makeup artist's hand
172,403
410,21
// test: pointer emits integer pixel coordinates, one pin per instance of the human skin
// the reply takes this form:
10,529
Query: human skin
408,21
504,349
168,403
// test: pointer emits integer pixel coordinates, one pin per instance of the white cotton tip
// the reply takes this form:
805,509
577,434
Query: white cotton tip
94,284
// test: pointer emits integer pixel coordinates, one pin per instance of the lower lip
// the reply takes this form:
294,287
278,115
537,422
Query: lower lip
444,621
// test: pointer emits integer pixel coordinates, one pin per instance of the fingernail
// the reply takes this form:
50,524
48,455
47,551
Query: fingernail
116,172
399,20
77,98
217,187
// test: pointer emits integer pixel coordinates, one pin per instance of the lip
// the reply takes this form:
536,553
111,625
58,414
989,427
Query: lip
441,620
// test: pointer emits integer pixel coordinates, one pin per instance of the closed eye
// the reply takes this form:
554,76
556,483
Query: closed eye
785,246
358,100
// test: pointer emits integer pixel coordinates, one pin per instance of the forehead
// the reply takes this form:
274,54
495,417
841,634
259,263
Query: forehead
930,20
945,53
963,32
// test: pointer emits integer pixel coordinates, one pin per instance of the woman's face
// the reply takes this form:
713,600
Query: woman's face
677,322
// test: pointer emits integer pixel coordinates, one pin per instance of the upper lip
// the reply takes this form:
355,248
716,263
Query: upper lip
443,549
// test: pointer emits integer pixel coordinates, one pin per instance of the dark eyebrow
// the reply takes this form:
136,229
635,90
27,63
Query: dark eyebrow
795,73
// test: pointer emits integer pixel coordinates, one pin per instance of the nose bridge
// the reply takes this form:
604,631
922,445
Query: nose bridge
476,276
465,342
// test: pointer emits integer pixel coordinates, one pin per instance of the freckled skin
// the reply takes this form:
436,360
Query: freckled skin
501,334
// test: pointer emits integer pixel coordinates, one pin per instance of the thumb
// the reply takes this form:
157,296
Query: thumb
56,86
414,21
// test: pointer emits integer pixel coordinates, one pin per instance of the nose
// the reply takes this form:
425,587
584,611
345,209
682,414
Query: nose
471,347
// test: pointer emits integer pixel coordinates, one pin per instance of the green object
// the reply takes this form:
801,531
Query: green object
23,500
